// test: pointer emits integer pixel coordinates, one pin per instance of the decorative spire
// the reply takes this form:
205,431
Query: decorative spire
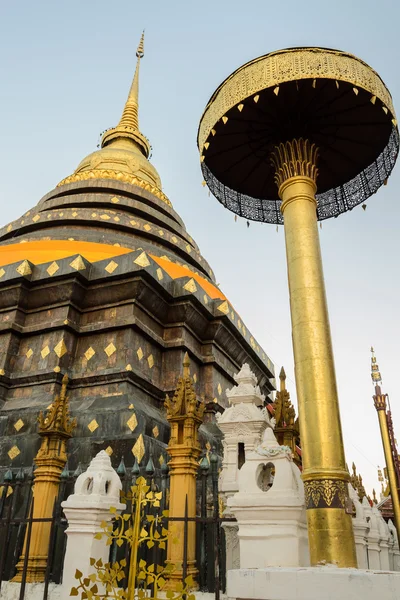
375,374
57,420
287,426
357,483
128,127
184,403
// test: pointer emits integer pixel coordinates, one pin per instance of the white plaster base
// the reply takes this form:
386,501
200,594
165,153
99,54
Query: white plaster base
312,583
33,591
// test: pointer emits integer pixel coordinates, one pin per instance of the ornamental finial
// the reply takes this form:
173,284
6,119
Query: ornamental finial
375,373
128,127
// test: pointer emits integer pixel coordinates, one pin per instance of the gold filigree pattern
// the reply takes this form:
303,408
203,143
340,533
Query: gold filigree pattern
325,493
290,65
297,157
119,176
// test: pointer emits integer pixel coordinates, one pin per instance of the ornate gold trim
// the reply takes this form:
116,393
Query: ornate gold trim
289,65
294,158
325,493
119,176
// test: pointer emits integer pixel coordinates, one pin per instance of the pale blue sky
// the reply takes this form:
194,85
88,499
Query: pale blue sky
65,70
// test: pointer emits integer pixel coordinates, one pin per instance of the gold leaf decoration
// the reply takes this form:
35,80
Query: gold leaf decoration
29,353
160,274
219,388
89,353
138,450
139,353
132,422
93,425
156,432
19,425
110,268
13,452
190,286
2,271
147,227
60,349
110,349
52,269
128,367
108,450
142,260
224,308
45,352
24,269
78,263
115,200
150,361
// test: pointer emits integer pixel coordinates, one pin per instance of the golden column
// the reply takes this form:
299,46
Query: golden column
325,475
380,405
55,428
185,414
256,161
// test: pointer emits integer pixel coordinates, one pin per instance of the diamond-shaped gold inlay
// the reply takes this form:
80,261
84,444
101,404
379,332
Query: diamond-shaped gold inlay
29,353
74,214
138,448
133,223
56,369
19,425
160,274
232,315
147,227
205,298
160,231
131,406
174,239
89,353
110,349
139,354
93,425
24,269
36,218
219,388
53,268
128,367
2,271
115,200
13,452
161,460
142,260
132,422
195,378
108,450
105,217
188,248
150,361
60,349
156,431
224,308
110,268
190,286
116,219
78,263
2,372
45,352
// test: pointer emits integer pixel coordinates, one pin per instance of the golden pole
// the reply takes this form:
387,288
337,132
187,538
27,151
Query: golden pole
325,476
185,414
55,428
380,405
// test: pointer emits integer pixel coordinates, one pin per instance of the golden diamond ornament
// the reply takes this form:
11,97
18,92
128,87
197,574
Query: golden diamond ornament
89,353
18,425
110,349
52,269
132,422
45,352
190,286
93,425
110,268
150,361
139,354
29,353
24,269
156,431
138,448
60,349
78,264
13,452
142,260
108,450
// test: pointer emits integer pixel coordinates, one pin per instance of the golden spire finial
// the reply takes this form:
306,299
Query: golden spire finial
375,374
186,365
282,377
128,126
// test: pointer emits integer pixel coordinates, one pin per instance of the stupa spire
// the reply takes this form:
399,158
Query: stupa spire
130,115
128,126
